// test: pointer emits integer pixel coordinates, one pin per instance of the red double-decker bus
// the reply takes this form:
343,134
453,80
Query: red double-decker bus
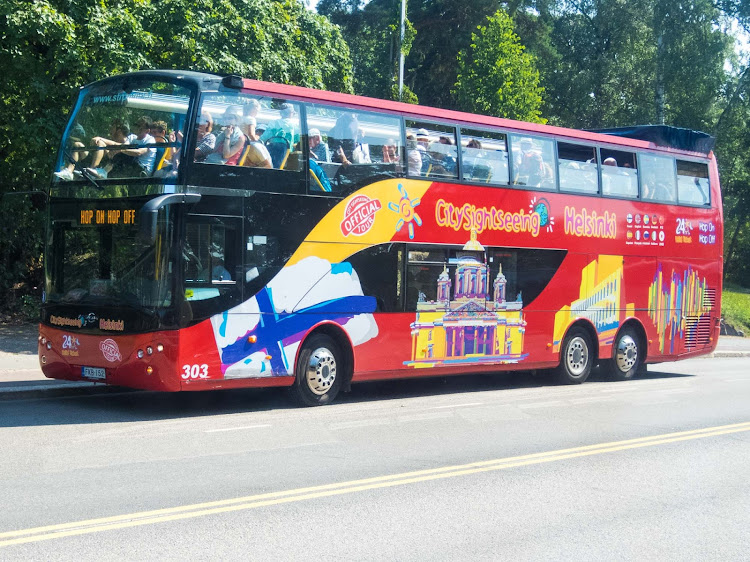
210,232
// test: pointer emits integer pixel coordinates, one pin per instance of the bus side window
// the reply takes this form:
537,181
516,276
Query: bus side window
347,149
619,173
658,180
484,157
692,183
578,168
533,162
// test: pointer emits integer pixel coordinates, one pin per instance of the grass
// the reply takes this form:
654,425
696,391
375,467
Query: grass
735,307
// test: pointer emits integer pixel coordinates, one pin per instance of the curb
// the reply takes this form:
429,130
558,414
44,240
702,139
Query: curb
724,354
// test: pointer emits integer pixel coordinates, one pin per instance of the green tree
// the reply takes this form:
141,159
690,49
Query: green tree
373,34
48,48
496,76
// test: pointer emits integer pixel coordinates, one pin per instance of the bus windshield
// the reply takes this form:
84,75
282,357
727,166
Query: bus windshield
97,257
127,128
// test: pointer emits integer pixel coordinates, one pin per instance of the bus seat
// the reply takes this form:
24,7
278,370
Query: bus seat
279,149
294,161
245,150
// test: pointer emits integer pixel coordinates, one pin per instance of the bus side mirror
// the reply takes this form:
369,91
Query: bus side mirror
149,213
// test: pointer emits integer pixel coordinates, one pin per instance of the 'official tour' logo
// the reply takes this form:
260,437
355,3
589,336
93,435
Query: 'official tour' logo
110,350
359,215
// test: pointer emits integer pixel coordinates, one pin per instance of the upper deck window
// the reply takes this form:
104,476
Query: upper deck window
533,161
246,141
658,180
692,183
431,150
128,128
484,156
348,149
578,168
619,173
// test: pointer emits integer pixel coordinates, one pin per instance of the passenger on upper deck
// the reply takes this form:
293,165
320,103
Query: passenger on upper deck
318,149
343,135
249,121
257,155
361,153
128,161
74,143
390,152
284,127
414,155
530,165
206,141
231,140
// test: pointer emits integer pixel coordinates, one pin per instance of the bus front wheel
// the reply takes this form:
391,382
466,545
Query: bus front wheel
319,372
576,358
627,357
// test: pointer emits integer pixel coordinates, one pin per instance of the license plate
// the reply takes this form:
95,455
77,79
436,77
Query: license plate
93,373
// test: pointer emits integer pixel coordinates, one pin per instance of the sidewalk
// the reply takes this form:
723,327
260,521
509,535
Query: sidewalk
20,375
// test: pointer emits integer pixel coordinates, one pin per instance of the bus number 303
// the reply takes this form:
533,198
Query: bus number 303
194,371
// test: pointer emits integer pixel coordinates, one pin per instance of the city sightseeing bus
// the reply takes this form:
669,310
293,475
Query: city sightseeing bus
249,234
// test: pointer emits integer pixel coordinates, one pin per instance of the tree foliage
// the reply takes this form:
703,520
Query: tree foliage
48,48
496,76
373,32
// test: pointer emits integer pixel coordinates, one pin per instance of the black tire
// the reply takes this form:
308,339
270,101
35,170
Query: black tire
320,372
626,356
576,357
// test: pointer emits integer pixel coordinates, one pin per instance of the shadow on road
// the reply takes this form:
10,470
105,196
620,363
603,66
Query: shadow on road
118,406
19,338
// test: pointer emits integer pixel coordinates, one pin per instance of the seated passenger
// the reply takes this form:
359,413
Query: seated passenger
74,143
530,166
230,141
284,128
129,161
319,150
257,156
390,152
413,155
343,135
249,122
206,140
361,153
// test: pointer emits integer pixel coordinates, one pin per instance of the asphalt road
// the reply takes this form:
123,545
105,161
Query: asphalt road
460,468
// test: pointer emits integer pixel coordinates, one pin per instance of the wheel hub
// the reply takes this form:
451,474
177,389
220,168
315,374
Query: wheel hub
321,371
627,353
577,356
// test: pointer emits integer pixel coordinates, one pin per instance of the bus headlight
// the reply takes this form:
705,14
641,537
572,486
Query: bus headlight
139,354
149,350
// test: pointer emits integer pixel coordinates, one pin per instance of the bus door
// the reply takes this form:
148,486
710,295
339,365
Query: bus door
212,265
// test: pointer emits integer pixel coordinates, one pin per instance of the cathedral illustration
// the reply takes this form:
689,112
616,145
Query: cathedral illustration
471,329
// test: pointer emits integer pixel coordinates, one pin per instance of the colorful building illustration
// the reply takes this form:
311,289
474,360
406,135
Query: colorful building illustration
678,305
599,301
471,329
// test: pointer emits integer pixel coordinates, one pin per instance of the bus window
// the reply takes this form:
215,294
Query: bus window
210,264
692,183
484,157
533,161
658,178
431,150
380,274
578,168
423,269
255,135
619,173
351,148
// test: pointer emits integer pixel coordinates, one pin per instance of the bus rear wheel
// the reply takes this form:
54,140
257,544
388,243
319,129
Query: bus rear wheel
319,372
627,357
576,358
